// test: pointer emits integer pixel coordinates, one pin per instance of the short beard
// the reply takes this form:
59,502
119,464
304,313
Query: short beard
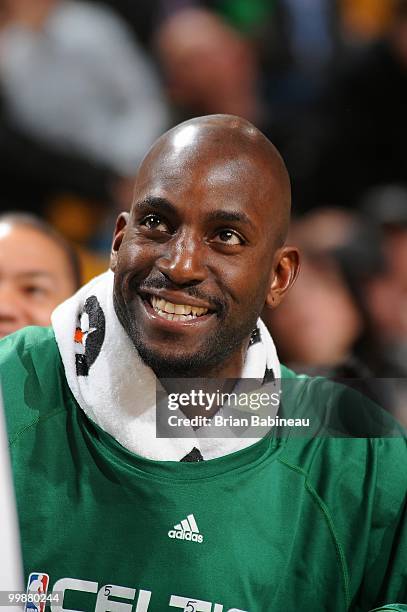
205,363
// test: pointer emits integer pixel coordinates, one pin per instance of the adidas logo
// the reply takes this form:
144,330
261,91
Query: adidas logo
186,530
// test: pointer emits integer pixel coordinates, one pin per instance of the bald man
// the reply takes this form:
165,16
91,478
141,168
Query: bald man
120,513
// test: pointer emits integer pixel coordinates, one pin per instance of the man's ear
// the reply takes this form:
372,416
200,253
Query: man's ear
121,224
286,266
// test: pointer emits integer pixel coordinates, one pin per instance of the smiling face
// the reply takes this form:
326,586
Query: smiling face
35,276
200,252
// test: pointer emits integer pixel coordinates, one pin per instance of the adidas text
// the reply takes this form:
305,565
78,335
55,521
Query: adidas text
185,535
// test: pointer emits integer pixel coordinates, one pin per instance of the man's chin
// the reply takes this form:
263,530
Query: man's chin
173,365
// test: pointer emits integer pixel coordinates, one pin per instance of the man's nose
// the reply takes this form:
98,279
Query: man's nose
183,260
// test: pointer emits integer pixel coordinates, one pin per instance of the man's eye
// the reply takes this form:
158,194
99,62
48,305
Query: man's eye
154,222
228,237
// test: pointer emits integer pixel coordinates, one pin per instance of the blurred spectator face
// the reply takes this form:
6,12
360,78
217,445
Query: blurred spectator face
318,322
209,67
387,294
35,276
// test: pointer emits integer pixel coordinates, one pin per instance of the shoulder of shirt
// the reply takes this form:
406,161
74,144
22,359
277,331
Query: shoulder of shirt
354,436
350,424
347,407
32,378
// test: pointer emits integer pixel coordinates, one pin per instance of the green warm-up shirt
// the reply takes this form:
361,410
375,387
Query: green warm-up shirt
288,524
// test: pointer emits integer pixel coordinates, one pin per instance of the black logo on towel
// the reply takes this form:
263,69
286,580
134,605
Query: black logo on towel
89,335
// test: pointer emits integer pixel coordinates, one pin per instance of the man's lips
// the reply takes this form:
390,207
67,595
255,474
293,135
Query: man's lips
177,298
176,309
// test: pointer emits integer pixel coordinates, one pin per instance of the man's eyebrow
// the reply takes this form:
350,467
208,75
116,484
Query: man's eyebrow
229,216
159,204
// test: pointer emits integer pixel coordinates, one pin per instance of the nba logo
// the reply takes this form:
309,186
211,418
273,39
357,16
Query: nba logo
37,585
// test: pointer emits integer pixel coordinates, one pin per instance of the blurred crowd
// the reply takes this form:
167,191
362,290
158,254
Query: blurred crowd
87,86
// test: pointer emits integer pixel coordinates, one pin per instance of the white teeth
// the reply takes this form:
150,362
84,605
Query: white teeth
176,312
179,309
165,315
158,303
169,307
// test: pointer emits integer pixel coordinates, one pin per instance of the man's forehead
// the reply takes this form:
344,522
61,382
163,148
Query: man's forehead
216,170
211,162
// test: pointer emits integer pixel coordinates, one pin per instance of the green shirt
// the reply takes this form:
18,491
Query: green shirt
285,524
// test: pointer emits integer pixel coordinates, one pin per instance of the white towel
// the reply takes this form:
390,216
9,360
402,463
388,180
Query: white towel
117,390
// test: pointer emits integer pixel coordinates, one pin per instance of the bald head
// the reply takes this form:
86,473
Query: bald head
227,152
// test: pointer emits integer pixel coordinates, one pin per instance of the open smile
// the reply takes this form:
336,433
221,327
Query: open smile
175,313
